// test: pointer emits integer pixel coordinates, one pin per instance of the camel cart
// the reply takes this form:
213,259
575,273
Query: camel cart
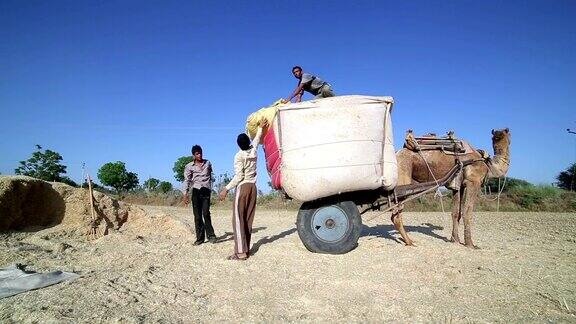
336,155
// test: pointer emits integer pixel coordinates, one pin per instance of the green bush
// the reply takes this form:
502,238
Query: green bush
537,198
496,185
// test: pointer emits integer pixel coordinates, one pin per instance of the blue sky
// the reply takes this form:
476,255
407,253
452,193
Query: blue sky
143,81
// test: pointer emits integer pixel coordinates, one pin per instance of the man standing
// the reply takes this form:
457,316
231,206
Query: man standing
309,83
245,198
198,175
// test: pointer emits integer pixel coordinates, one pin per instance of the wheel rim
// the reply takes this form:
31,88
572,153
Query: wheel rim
330,223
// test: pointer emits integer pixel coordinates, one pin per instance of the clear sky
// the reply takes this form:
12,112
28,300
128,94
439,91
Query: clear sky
142,81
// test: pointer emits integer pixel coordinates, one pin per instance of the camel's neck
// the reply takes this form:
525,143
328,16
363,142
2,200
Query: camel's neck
500,163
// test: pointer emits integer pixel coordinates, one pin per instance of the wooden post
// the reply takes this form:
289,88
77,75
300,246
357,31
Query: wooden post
91,198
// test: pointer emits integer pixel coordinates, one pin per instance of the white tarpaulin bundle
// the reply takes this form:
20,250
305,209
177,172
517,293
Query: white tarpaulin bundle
323,147
15,280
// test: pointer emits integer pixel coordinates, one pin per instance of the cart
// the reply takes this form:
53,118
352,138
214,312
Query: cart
336,155
333,224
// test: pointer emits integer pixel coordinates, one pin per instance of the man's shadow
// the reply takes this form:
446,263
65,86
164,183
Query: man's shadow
229,236
270,239
383,231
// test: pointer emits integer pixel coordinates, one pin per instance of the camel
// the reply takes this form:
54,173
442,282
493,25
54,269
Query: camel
465,187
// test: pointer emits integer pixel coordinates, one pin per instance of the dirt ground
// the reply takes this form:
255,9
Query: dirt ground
525,271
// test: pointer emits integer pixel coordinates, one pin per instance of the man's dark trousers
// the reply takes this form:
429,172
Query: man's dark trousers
201,208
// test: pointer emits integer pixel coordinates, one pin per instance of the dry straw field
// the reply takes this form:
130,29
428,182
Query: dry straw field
147,270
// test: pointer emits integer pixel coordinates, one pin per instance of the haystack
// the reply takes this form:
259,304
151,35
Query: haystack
31,204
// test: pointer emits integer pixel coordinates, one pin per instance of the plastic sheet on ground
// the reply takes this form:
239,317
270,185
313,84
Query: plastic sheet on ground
15,280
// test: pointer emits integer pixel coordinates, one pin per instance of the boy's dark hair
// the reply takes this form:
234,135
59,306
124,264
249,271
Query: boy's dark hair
243,141
196,148
296,67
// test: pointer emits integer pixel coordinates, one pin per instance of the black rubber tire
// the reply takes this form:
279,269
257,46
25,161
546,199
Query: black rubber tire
344,242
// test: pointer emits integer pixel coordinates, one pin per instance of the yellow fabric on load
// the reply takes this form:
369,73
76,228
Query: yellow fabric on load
255,118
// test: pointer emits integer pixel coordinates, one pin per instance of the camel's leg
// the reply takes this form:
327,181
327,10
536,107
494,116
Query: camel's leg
456,213
472,190
399,225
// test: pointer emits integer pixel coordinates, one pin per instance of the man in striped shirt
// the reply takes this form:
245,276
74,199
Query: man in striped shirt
198,175
244,208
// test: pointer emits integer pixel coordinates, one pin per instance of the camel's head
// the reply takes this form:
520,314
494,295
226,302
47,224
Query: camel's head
501,136
498,166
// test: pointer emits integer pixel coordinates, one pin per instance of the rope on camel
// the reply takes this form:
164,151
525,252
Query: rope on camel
500,190
438,193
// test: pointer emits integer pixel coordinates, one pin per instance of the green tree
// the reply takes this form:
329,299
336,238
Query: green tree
95,186
165,187
221,181
566,179
69,182
179,166
151,184
45,165
114,174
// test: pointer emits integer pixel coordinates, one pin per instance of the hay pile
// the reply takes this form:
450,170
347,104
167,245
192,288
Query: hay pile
31,204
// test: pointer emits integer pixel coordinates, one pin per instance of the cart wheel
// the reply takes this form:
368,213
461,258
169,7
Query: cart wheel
329,228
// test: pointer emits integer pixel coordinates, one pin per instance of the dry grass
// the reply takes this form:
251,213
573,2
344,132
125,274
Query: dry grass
525,271
519,198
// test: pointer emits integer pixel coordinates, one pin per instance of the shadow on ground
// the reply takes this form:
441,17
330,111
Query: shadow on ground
270,239
384,231
229,236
